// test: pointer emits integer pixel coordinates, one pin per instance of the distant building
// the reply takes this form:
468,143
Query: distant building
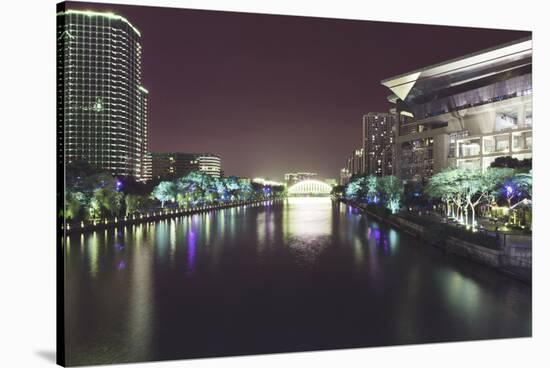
170,165
210,164
355,162
464,112
378,143
331,181
244,180
344,176
102,103
293,178
265,181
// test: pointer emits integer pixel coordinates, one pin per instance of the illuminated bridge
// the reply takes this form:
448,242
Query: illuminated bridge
309,188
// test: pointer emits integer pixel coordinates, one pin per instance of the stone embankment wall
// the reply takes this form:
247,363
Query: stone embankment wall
514,256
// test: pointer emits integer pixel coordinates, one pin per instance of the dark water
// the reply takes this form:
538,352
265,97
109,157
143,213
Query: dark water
303,275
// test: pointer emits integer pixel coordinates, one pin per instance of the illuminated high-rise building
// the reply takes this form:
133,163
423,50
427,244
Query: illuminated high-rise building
355,162
378,143
102,103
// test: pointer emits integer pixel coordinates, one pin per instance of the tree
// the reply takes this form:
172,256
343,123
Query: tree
414,193
371,188
392,192
466,189
219,188
512,163
518,186
135,203
245,190
442,186
105,202
362,187
338,191
524,183
74,202
165,191
353,188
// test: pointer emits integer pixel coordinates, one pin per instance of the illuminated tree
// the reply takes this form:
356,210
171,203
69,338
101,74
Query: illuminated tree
518,186
105,202
165,191
245,191
392,192
371,188
466,189
353,188
233,187
442,186
74,202
135,203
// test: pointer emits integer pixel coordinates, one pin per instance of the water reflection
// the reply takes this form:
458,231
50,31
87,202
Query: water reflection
191,244
303,274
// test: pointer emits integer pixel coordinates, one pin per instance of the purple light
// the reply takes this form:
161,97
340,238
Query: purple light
121,265
191,244
509,190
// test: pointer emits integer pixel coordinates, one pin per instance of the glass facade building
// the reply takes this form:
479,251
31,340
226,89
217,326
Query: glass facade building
102,103
464,112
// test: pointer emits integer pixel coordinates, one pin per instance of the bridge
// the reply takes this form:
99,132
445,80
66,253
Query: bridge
309,188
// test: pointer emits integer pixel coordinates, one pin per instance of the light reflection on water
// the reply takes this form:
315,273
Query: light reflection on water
305,274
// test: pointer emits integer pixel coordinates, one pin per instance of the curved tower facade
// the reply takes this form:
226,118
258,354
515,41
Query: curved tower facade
103,105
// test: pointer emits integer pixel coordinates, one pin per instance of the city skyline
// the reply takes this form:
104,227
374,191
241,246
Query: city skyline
289,89
173,223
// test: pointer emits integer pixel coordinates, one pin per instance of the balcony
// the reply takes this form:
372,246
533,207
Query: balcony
522,141
496,144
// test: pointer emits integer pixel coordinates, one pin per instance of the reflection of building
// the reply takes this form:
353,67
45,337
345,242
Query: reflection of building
465,112
378,143
178,164
102,104
293,178
344,176
355,162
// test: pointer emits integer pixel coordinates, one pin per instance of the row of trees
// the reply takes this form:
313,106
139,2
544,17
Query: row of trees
463,194
91,193
197,188
463,191
387,191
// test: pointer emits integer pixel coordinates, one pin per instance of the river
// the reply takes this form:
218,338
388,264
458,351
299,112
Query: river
307,274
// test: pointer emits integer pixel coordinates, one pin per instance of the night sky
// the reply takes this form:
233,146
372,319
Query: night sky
275,94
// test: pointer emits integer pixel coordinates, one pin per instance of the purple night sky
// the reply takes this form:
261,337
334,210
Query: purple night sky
275,94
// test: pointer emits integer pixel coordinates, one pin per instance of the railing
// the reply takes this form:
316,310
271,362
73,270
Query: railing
159,214
479,103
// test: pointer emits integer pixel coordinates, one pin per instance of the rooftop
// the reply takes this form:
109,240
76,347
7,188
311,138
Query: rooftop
481,64
91,13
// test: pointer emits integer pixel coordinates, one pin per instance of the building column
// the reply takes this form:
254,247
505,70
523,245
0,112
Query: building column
521,116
